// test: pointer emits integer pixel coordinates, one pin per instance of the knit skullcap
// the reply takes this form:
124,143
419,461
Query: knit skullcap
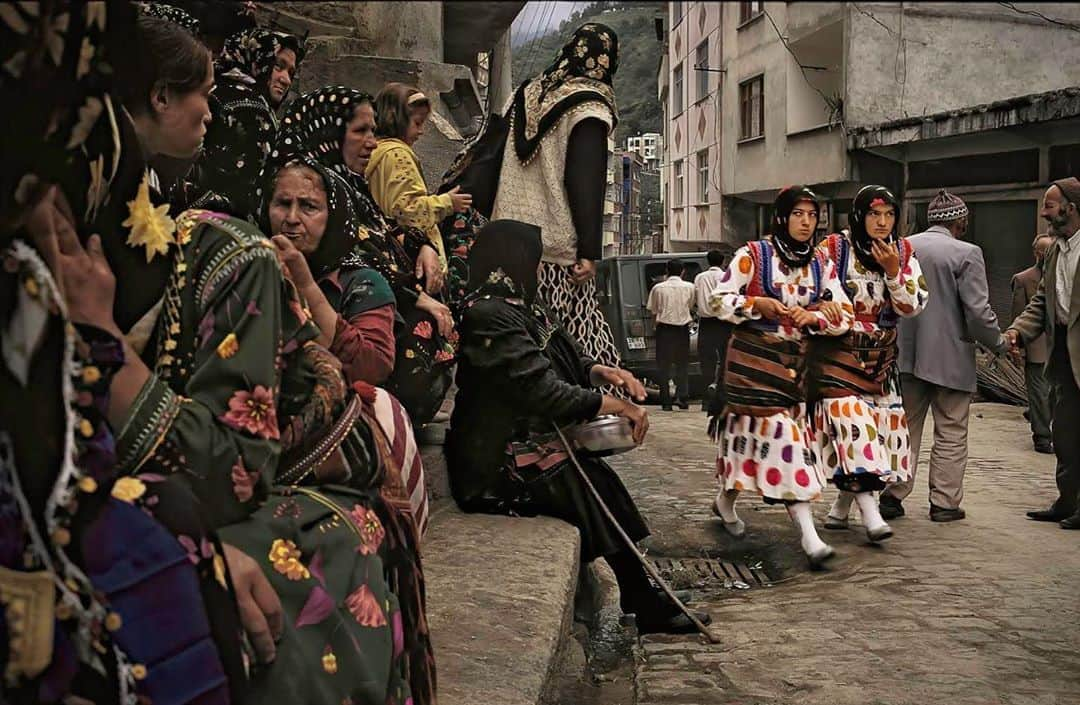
1070,188
945,208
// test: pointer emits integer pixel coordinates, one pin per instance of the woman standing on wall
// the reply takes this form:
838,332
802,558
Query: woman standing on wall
562,117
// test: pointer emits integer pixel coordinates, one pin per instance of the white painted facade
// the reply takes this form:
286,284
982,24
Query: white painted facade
831,74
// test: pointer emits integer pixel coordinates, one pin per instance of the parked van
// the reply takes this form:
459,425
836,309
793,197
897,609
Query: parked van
623,285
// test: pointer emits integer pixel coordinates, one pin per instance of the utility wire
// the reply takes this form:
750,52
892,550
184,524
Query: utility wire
530,29
1041,16
886,27
835,105
536,52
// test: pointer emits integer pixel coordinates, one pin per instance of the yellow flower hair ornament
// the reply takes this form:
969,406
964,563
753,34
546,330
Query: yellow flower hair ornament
151,226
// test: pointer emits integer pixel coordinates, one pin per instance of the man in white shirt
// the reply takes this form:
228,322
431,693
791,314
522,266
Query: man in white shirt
672,301
1053,311
711,337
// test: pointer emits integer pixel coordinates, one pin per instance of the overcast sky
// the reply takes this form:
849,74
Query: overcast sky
539,18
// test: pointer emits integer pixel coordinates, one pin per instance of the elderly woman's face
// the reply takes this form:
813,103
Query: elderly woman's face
298,208
281,76
359,141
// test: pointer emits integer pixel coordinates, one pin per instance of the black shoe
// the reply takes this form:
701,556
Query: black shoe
890,507
667,408
1044,447
676,624
683,404
1072,522
1050,514
943,514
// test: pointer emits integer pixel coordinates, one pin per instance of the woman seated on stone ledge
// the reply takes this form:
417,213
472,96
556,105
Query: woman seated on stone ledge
309,213
517,373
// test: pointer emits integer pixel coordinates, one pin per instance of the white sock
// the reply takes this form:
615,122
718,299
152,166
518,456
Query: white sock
725,503
842,506
804,519
868,508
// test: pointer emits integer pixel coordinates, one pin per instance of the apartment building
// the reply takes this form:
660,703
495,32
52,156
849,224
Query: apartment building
979,98
650,146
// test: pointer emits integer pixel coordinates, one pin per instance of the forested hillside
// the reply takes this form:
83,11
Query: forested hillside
639,56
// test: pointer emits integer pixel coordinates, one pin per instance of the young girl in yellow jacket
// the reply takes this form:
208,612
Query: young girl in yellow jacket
394,174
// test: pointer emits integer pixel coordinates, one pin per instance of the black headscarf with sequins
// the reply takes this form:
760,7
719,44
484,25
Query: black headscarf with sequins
57,68
341,222
865,199
587,62
249,56
172,14
792,252
315,125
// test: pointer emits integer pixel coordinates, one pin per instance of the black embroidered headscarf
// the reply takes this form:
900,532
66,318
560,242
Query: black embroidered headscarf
341,222
172,14
792,252
504,259
315,126
865,199
581,71
249,56
58,64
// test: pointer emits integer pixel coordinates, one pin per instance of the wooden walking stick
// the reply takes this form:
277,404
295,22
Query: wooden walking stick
705,631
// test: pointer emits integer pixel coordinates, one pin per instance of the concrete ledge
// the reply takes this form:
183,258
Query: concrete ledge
500,595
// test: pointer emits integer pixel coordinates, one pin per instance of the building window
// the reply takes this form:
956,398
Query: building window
676,13
703,176
752,108
701,63
678,195
750,10
677,92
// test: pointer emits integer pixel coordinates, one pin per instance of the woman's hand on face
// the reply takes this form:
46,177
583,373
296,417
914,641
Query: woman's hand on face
887,256
461,201
82,273
294,262
599,375
438,311
260,609
429,269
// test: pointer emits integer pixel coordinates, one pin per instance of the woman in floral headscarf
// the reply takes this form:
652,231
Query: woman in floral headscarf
566,114
335,125
254,74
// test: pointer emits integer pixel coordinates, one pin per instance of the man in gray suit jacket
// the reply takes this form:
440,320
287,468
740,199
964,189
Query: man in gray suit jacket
937,355
1054,311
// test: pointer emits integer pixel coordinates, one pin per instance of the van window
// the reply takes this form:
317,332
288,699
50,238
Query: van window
630,284
656,272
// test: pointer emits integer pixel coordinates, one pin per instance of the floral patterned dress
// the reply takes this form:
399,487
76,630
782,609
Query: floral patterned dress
772,455
236,382
863,440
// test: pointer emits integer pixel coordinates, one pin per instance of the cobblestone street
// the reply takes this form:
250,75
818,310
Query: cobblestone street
976,612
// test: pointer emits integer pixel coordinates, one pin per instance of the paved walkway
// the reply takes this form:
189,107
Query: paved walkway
984,611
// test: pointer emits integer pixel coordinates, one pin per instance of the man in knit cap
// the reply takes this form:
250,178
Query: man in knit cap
937,356
1053,311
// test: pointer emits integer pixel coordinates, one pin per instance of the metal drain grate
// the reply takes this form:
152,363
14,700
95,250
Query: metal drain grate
702,572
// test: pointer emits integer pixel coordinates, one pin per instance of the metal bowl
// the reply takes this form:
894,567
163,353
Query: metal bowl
604,435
